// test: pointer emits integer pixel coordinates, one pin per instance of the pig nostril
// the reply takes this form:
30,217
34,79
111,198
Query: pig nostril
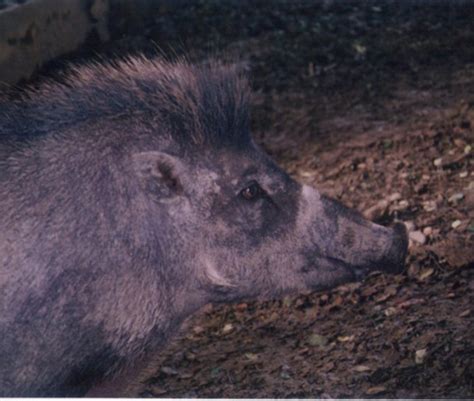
399,248
401,232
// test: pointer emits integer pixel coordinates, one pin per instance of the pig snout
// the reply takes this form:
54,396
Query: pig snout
393,261
345,243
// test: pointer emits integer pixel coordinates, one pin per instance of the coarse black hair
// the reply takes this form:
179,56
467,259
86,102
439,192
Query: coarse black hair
204,104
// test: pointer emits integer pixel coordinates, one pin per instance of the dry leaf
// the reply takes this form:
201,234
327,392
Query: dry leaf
169,371
251,357
228,327
390,311
344,339
425,273
317,340
389,292
420,356
375,390
362,368
198,329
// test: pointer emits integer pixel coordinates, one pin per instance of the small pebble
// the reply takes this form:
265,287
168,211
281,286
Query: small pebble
430,206
418,236
467,149
403,204
463,174
308,174
465,313
198,329
169,371
456,197
376,210
438,162
362,368
317,340
409,225
428,231
390,311
420,356
395,197
455,224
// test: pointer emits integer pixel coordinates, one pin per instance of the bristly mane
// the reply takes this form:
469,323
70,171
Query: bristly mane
204,104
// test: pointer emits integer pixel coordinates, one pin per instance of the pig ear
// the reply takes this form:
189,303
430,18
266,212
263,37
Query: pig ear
160,173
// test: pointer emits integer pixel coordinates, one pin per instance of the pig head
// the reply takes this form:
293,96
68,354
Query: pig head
133,194
257,233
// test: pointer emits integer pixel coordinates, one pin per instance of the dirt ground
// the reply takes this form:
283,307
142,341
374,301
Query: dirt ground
372,103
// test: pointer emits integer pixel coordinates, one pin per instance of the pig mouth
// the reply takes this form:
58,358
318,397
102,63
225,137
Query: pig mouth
329,270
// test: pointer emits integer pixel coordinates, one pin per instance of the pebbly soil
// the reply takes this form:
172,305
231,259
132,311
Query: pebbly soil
372,103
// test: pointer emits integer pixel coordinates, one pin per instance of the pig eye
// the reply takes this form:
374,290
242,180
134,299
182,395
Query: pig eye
252,191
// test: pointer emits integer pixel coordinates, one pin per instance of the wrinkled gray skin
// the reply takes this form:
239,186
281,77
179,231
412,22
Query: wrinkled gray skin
124,210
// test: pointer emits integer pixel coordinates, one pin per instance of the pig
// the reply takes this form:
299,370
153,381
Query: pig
132,194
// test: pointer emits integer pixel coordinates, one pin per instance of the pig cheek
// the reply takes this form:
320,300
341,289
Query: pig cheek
239,226
249,217
278,272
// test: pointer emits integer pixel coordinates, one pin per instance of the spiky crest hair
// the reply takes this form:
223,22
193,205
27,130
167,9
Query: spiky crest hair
200,104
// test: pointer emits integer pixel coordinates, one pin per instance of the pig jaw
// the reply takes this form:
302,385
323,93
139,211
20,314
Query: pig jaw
345,246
